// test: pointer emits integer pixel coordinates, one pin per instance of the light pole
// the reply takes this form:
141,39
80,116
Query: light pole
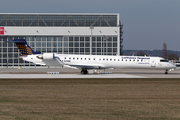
104,38
7,54
91,27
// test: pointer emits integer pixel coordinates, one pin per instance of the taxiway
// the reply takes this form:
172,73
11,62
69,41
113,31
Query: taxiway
70,73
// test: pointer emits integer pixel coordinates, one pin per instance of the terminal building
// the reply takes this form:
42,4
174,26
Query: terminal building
85,34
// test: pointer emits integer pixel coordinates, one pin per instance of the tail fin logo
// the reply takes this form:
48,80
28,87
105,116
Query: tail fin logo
25,50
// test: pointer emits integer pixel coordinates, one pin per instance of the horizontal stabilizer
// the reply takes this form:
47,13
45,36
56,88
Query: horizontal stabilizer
18,41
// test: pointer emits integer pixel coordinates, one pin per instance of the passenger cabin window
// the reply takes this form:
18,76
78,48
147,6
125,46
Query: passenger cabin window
164,60
70,58
73,58
81,58
85,58
65,58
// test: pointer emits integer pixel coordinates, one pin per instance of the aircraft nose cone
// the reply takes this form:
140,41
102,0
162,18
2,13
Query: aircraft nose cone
172,66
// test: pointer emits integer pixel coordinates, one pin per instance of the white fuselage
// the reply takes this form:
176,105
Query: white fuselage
102,61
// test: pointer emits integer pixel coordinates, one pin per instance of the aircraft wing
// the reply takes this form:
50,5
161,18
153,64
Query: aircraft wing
86,66
68,66
77,66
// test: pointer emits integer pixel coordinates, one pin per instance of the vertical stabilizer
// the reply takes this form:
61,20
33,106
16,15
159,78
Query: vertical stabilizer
23,47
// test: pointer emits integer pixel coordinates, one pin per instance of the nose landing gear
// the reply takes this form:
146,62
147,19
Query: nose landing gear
166,72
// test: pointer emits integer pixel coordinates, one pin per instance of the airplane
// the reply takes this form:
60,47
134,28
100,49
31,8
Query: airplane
87,62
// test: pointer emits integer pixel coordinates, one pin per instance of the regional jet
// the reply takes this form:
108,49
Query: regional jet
87,62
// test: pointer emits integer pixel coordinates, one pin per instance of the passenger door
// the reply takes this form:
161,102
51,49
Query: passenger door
153,63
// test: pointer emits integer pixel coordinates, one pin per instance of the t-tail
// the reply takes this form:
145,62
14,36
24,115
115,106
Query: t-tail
23,47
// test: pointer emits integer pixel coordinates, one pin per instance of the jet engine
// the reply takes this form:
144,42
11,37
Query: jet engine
46,56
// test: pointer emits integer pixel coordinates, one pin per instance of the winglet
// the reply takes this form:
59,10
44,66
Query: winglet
24,48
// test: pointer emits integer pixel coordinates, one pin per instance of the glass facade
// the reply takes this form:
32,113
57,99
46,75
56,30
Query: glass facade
63,44
57,20
9,53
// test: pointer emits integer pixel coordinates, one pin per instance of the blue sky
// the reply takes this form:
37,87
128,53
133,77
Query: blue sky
147,23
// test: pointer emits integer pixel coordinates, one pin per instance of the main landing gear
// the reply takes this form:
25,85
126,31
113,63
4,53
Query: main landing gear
166,72
84,71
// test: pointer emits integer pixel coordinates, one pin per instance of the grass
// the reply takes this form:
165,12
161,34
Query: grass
91,99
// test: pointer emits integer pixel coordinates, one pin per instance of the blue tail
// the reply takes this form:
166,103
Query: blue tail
24,48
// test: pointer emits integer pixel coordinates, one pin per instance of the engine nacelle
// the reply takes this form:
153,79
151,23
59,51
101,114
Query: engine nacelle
46,56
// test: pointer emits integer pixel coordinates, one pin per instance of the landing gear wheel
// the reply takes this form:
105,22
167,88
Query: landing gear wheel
166,72
84,72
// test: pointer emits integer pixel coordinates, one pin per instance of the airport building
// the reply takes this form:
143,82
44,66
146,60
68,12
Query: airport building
87,34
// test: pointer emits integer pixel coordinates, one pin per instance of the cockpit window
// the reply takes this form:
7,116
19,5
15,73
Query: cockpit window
163,60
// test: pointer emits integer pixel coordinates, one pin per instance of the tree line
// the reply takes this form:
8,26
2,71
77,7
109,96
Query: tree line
171,56
166,54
